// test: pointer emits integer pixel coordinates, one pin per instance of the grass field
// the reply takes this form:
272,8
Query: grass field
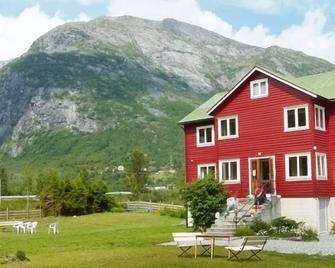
126,240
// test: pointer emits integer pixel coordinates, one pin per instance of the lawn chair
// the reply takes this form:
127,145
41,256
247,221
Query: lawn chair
31,227
18,226
53,228
185,241
253,244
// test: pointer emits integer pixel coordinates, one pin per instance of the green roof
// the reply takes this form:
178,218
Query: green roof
200,113
322,84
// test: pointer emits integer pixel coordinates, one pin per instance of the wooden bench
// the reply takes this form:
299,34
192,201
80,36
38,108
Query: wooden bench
185,241
253,244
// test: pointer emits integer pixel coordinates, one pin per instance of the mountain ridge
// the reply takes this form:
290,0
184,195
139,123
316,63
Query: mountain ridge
87,93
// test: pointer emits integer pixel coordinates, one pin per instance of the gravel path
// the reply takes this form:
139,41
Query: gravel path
326,245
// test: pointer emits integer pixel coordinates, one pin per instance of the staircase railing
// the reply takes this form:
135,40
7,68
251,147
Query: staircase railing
249,205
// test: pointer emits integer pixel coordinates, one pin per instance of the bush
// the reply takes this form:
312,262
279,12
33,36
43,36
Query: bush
309,235
245,231
176,213
333,227
283,222
260,227
21,256
118,209
204,198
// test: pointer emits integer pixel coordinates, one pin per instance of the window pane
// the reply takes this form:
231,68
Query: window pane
290,118
211,171
203,172
322,125
303,166
232,126
301,117
225,171
317,118
208,134
263,88
255,89
201,135
233,170
224,130
318,160
293,166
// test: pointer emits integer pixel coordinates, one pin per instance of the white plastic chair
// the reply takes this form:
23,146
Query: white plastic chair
31,227
18,226
53,228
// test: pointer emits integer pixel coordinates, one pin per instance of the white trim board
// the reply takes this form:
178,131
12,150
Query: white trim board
256,68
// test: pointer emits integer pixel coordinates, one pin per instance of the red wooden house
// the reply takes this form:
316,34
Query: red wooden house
270,129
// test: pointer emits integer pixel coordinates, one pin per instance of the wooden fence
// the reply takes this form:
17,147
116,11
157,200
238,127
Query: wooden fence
20,214
150,206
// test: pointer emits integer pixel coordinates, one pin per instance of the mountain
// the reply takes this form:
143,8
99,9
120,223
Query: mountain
87,93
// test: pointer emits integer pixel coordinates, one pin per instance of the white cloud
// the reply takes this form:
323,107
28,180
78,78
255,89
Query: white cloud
310,36
88,2
183,10
18,33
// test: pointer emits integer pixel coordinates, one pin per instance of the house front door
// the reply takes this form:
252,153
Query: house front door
262,173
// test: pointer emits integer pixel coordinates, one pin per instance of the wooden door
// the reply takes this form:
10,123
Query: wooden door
255,175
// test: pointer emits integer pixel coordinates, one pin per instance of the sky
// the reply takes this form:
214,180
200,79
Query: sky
304,25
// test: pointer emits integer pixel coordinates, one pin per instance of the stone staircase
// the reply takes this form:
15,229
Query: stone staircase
244,215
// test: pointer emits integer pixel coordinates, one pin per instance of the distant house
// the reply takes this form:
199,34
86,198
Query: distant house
270,129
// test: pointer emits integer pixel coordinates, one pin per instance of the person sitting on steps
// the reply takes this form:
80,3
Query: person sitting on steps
260,195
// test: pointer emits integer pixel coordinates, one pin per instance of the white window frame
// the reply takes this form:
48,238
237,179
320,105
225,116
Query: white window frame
298,177
205,143
227,118
206,166
317,120
259,81
238,180
321,176
295,108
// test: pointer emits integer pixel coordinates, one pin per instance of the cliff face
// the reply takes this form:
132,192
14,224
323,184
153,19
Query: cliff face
87,93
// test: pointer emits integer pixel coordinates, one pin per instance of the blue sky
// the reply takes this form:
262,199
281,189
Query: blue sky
306,25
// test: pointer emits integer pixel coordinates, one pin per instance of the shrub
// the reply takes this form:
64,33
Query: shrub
260,227
309,235
21,256
333,227
245,231
204,198
176,213
283,222
118,209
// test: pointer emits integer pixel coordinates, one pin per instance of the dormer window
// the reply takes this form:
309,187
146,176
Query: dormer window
205,136
259,88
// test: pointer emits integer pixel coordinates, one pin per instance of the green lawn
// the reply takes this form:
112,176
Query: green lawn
126,240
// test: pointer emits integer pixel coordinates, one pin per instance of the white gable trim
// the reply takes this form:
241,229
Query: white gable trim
256,68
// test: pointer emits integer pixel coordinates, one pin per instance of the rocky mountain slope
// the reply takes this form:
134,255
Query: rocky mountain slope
87,93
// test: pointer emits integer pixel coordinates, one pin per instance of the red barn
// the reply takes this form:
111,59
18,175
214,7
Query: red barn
273,130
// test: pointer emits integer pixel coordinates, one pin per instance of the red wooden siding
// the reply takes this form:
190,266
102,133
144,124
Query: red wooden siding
261,131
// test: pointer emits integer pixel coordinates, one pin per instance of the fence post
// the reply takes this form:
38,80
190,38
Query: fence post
7,214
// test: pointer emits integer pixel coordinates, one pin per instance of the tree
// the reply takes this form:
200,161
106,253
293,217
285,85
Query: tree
4,181
137,172
204,198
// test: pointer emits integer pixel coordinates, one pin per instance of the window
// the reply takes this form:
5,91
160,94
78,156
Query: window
205,136
230,171
206,170
298,166
319,115
259,88
296,118
228,127
321,166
